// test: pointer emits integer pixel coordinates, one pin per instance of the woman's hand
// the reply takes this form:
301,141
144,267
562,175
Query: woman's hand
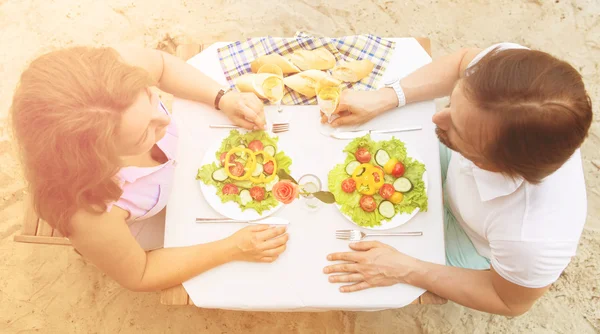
359,107
243,109
259,243
373,264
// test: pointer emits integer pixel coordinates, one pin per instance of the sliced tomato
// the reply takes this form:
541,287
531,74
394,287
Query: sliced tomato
237,169
269,168
256,145
223,155
386,191
349,186
376,176
368,203
398,170
362,155
257,193
230,189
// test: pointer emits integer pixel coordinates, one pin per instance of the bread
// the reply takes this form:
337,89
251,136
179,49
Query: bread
318,59
353,71
286,66
252,83
306,82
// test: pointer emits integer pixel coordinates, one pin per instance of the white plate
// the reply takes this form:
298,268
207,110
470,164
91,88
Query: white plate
399,219
230,209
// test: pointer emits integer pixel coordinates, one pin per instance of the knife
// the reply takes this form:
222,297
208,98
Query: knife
359,133
266,221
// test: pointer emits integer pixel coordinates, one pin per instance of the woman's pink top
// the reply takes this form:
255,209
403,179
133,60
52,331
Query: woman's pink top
146,192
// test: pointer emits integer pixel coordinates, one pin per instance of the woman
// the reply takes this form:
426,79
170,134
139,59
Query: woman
98,149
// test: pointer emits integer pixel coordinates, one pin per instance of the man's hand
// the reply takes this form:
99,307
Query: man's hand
243,109
373,264
358,107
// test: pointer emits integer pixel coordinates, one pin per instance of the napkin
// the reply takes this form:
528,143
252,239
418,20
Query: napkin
235,58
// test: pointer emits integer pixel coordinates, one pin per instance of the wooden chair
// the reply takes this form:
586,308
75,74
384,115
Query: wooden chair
36,230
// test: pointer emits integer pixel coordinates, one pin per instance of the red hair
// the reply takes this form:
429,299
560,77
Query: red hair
66,113
540,106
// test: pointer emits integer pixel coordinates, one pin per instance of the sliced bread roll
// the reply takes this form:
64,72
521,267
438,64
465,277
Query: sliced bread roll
252,83
318,59
353,71
306,82
286,66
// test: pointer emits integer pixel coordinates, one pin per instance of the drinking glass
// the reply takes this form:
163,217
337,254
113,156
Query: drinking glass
328,96
272,85
310,184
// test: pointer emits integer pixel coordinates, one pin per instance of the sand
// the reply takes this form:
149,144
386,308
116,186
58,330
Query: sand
50,289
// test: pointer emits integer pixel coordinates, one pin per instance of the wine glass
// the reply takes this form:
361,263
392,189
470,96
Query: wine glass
272,85
328,96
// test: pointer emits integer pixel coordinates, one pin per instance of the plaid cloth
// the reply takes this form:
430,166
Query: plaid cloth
235,58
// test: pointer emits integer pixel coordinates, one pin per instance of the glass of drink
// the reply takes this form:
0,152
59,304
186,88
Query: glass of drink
272,85
328,96
310,184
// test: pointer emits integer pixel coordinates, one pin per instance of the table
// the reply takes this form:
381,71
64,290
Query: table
295,282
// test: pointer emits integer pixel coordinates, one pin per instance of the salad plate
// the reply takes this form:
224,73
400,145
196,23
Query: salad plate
238,173
379,185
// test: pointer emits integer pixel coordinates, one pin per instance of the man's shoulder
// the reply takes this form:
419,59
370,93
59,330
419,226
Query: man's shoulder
557,207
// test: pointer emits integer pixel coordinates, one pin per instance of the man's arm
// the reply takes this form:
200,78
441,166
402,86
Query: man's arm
375,264
482,290
436,79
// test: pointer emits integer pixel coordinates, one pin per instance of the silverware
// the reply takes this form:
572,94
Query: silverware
277,127
356,235
351,134
266,221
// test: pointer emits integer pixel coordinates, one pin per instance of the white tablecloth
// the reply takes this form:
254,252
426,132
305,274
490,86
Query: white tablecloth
295,282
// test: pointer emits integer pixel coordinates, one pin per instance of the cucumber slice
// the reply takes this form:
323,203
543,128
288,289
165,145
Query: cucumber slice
269,186
270,150
244,184
259,169
245,197
382,157
386,209
219,175
351,167
403,185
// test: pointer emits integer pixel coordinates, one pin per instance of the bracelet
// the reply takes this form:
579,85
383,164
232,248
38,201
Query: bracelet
219,96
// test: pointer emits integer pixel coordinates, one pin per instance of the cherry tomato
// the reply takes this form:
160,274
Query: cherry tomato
398,170
386,191
376,176
368,203
257,193
223,155
256,145
362,155
349,186
230,189
268,168
237,169
397,198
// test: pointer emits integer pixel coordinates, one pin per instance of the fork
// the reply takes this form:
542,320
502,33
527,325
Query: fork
277,127
356,235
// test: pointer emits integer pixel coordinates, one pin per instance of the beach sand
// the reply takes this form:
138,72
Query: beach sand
50,289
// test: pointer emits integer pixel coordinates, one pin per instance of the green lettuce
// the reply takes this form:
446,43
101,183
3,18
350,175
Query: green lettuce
350,203
235,139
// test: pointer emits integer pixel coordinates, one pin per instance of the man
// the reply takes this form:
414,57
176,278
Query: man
514,192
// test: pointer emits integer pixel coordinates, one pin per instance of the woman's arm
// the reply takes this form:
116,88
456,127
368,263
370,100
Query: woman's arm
106,241
176,77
